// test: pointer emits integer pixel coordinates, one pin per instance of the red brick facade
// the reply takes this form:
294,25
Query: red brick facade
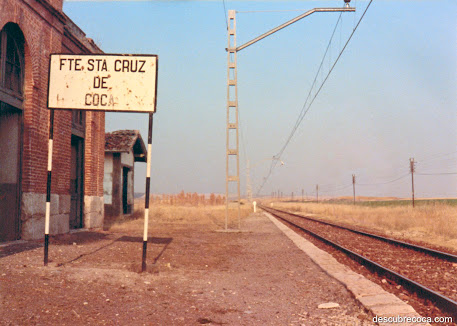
47,30
94,163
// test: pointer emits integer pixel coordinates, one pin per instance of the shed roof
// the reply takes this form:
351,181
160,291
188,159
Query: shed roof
124,141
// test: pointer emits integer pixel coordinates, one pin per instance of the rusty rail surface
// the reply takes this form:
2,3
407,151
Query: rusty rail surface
444,303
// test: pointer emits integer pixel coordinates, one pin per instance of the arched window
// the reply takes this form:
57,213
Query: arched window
11,65
11,98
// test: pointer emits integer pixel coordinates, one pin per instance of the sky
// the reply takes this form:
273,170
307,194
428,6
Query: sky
390,97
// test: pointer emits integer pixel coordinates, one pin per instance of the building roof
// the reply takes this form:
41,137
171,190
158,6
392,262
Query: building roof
124,141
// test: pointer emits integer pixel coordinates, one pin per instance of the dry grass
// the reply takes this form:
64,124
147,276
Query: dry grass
434,224
212,217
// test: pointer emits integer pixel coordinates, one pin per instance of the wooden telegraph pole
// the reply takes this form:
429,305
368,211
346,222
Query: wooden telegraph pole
411,166
353,186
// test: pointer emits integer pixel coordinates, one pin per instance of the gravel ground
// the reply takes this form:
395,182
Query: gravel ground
396,258
195,276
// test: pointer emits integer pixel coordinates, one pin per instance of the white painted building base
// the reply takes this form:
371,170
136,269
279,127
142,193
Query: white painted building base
94,212
33,208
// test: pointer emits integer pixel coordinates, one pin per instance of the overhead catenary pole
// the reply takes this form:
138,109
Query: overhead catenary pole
412,169
294,20
48,187
232,105
232,90
147,195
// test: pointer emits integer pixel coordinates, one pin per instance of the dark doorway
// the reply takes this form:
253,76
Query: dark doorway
76,182
10,163
126,209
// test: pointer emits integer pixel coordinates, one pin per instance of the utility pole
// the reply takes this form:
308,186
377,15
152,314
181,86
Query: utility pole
248,182
412,168
317,193
292,195
303,195
232,94
353,186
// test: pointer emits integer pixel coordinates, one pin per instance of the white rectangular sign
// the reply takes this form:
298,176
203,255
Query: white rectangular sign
103,82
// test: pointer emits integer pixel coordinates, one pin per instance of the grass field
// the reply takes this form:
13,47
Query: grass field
431,221
405,202
184,215
388,203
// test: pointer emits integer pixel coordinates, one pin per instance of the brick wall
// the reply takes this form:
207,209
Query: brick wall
42,36
47,30
94,161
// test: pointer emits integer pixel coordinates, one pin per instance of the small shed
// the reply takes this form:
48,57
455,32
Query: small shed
122,149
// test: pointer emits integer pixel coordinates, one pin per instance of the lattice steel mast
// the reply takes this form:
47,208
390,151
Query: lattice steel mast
232,119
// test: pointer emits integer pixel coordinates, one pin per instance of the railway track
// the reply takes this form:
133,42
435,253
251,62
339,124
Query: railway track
429,273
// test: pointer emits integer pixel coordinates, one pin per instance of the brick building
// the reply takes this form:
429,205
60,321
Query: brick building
30,30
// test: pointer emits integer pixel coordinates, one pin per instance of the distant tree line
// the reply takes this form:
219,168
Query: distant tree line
192,199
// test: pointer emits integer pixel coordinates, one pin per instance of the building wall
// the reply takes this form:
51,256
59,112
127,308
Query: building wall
113,179
108,179
45,30
94,208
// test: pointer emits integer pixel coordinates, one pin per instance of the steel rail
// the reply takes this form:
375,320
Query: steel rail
444,303
432,252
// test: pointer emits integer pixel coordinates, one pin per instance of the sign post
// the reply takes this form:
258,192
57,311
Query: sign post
102,82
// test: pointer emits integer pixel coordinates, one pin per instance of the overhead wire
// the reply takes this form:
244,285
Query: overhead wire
439,173
225,14
276,158
304,109
300,119
384,183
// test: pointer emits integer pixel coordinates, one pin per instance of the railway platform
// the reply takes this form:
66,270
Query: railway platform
195,276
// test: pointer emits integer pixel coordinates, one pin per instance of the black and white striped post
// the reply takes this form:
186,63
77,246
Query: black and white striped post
48,188
86,89
148,186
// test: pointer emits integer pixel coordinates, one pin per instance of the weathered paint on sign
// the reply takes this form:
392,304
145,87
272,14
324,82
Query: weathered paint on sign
103,82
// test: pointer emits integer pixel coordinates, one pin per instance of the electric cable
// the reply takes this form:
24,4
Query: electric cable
225,14
277,157
439,173
383,183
